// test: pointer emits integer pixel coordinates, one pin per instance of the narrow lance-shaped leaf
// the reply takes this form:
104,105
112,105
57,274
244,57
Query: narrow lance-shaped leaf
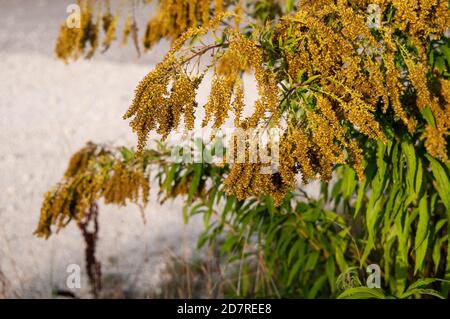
421,238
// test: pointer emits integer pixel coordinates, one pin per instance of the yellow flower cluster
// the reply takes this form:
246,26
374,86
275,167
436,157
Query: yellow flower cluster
316,145
109,27
355,72
434,136
245,180
125,184
167,92
242,55
171,20
94,172
358,73
174,17
251,173
295,150
73,41
421,18
155,106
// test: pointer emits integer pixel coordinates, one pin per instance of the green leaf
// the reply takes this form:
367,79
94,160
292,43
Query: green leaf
419,177
294,271
439,64
423,283
228,244
375,201
212,197
270,205
340,260
348,182
387,257
430,292
169,177
312,260
311,215
437,252
318,284
446,51
245,280
360,197
418,288
410,154
362,293
290,5
294,251
195,181
311,79
228,205
429,117
442,181
127,154
330,269
421,238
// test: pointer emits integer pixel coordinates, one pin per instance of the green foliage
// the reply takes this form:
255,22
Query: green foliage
310,247
301,248
417,289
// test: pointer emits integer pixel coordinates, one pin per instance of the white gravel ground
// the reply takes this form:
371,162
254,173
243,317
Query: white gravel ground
48,111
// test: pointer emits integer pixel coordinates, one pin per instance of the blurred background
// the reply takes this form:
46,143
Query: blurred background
48,111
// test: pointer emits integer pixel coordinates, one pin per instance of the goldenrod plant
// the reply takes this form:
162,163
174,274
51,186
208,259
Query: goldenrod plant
360,93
